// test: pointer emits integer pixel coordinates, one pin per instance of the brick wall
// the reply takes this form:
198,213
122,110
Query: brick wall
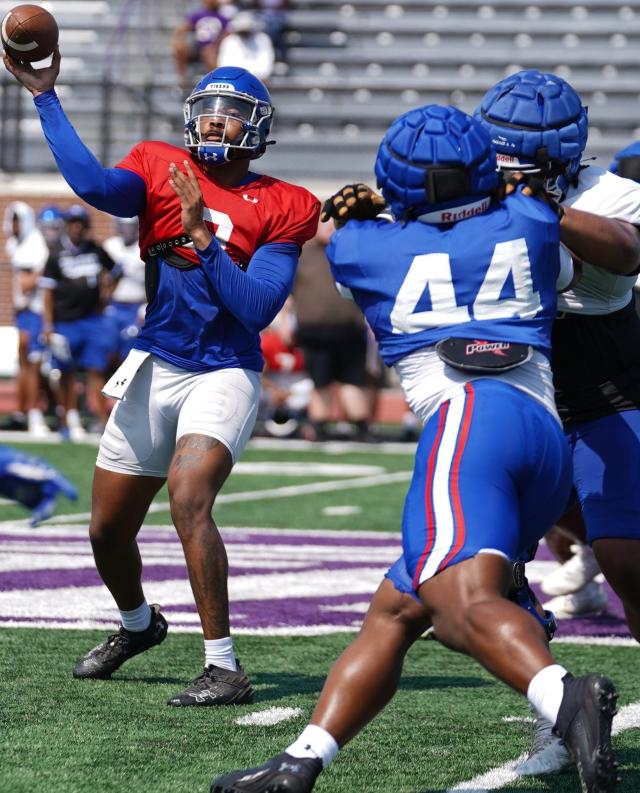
101,227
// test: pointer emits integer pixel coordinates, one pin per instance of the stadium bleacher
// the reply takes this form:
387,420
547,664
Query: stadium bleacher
351,67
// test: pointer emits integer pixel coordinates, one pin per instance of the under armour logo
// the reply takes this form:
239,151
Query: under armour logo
249,199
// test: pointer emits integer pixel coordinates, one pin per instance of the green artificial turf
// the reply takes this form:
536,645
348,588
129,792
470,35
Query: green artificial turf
445,725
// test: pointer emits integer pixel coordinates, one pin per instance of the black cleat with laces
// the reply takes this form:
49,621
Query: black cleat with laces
103,660
584,723
281,774
216,686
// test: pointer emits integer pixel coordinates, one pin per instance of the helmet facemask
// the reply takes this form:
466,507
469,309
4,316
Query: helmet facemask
224,125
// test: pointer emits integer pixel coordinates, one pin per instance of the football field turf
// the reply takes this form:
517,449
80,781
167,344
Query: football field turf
309,533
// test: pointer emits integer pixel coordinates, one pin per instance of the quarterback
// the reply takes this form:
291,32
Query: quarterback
221,245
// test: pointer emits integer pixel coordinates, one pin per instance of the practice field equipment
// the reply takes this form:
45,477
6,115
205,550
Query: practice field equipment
29,33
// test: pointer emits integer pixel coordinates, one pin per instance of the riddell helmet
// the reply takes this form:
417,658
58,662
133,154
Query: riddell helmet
434,159
537,124
229,93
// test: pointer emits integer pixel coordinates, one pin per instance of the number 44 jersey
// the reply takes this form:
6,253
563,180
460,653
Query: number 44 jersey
491,277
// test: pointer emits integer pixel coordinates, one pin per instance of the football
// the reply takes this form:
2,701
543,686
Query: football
29,33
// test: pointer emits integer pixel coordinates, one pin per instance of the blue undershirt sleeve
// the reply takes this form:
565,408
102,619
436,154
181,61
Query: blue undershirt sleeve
254,297
114,190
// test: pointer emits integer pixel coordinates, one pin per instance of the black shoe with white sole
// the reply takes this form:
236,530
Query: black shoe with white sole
281,774
103,660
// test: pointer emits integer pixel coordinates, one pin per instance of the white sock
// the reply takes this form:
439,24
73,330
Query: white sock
546,690
138,619
314,742
73,418
219,652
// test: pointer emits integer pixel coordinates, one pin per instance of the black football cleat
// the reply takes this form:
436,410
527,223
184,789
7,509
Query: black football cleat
584,723
216,686
103,660
281,774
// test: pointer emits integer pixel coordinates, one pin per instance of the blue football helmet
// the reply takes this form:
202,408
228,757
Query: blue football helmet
626,162
537,124
238,108
50,215
433,159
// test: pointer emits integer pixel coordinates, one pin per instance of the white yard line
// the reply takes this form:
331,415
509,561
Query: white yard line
268,717
332,486
628,718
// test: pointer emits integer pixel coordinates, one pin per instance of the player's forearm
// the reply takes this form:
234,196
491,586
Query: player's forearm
112,190
256,296
609,243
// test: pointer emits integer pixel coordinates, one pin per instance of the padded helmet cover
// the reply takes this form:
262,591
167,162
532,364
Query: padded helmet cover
433,158
535,118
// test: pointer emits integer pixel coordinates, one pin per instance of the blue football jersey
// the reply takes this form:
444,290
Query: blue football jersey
490,277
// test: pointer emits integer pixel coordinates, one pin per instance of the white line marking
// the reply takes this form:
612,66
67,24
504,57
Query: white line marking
340,511
272,467
268,717
628,718
518,719
288,491
607,641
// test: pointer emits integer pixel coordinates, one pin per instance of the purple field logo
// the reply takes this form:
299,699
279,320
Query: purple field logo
281,582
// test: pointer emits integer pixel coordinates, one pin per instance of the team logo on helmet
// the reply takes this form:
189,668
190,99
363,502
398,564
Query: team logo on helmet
436,164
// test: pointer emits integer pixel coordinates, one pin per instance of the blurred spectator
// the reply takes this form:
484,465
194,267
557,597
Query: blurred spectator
128,301
286,385
51,223
273,15
78,282
32,482
246,44
332,334
27,252
198,38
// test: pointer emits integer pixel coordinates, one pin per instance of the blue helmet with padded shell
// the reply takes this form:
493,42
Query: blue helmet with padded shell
228,116
537,124
436,163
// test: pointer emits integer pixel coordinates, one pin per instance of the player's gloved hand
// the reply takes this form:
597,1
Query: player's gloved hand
534,186
33,483
352,202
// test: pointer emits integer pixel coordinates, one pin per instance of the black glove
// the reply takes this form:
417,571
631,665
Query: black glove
534,186
352,202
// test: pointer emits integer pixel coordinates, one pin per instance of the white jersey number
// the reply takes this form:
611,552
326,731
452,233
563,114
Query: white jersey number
223,223
433,270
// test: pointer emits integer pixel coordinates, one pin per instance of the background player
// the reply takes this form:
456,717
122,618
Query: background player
78,280
440,314
127,304
27,252
222,246
539,126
